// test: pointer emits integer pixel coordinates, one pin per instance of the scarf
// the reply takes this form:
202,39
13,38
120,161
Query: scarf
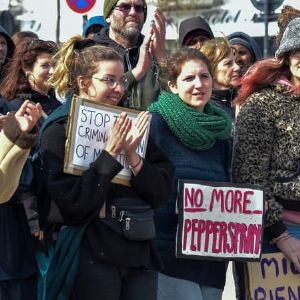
196,130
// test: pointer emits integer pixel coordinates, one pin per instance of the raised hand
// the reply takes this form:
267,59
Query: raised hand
117,135
28,115
144,61
158,40
136,133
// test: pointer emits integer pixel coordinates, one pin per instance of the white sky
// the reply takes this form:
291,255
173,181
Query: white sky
44,14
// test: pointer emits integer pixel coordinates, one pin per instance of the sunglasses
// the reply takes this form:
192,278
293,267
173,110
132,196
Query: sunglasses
126,7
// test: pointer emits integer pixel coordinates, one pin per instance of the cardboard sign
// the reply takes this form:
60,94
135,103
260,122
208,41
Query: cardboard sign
219,220
88,128
274,277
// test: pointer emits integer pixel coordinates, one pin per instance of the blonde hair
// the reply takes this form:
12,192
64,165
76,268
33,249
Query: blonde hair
78,57
216,50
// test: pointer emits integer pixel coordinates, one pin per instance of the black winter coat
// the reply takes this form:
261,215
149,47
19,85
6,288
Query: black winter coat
80,198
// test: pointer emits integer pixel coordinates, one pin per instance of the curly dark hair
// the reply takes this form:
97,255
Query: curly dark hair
287,14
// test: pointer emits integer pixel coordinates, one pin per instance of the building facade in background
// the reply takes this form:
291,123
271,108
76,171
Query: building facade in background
224,17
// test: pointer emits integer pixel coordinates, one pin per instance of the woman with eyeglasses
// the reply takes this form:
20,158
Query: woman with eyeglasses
111,266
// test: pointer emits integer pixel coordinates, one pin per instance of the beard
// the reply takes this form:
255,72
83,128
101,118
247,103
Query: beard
131,34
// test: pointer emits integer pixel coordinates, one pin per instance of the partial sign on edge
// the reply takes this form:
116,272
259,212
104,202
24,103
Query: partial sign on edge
219,221
273,277
87,132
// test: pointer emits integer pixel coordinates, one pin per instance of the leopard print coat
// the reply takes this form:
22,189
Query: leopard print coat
266,149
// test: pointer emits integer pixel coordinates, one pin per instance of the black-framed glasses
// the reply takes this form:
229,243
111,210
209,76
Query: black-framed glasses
126,7
112,82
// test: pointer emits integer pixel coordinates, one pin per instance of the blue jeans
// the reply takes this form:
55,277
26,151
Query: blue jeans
171,288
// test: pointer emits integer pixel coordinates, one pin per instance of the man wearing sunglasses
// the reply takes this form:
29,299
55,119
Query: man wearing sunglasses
141,54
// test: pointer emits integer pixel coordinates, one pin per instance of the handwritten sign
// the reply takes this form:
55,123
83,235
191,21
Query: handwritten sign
88,129
273,277
219,220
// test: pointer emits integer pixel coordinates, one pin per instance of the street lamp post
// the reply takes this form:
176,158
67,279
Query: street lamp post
267,8
266,21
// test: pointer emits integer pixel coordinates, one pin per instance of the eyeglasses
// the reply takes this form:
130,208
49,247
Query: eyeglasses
112,82
126,7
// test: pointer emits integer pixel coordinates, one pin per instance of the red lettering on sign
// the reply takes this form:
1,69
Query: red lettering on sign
186,229
193,200
219,237
232,201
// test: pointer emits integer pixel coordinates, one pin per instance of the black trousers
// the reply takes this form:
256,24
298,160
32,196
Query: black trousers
23,289
96,280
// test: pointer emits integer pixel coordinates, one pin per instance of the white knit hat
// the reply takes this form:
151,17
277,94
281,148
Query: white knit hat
290,39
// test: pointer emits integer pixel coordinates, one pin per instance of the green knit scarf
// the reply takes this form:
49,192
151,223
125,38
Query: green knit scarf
196,130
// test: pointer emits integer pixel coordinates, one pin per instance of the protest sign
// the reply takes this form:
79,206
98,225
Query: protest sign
219,220
273,277
87,133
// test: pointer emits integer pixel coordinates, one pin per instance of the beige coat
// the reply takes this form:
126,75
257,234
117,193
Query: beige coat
14,149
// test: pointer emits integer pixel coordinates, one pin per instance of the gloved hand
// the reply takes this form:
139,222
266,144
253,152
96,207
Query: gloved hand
290,247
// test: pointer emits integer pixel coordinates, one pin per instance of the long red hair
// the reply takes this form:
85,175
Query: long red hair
261,74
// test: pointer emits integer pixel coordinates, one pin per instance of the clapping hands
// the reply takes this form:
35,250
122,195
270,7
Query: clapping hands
28,115
126,136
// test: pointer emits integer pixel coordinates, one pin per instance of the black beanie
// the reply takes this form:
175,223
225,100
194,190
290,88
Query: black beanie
194,24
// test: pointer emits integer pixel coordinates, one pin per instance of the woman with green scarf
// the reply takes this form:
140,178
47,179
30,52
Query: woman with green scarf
194,134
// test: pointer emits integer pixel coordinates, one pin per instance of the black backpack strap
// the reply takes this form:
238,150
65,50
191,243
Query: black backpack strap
58,115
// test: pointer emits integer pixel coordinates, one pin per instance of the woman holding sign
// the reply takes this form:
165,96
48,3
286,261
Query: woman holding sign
267,142
117,258
194,134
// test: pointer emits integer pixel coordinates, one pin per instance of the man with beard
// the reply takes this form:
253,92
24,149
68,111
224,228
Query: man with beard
141,53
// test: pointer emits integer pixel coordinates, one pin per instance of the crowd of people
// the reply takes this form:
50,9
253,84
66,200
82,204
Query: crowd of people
214,110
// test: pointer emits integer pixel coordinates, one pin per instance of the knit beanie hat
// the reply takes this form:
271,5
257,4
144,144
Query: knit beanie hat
109,5
290,39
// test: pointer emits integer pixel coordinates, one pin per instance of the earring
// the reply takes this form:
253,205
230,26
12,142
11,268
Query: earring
30,77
